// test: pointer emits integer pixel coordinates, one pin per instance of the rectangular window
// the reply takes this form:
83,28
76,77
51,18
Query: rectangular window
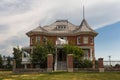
37,39
91,40
85,40
31,40
45,39
78,40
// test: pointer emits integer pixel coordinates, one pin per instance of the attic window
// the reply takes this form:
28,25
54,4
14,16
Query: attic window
60,27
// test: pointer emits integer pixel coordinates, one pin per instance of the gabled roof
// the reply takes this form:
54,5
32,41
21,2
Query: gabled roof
38,29
85,28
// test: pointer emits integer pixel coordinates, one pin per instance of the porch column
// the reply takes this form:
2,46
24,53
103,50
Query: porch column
70,62
55,65
31,56
91,58
49,62
25,66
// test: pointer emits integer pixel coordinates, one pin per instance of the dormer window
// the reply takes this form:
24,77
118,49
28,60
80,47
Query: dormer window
60,27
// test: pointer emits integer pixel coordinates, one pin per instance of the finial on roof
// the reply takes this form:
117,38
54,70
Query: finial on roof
83,13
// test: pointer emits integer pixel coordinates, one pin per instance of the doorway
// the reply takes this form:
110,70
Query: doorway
61,60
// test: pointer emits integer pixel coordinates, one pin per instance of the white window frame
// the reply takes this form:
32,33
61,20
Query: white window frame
85,39
79,40
38,39
31,40
91,40
45,39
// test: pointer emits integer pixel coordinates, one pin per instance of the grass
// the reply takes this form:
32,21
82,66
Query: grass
8,75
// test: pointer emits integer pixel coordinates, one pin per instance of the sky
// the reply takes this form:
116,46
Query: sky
17,17
107,43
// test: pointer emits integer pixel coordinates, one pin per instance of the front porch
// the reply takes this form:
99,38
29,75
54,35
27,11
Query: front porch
59,58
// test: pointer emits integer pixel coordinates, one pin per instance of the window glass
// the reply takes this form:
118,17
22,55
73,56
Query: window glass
45,39
31,41
91,40
85,40
37,39
78,40
60,27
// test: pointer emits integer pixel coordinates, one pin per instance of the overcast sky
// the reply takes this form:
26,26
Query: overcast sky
20,16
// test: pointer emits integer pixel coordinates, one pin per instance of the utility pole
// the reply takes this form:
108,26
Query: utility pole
109,60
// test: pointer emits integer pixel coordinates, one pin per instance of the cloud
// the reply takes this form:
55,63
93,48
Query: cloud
19,16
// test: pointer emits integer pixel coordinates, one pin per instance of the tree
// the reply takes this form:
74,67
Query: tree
40,53
50,49
9,66
17,55
75,50
1,62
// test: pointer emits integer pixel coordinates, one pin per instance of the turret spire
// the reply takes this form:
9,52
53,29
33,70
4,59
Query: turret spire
83,12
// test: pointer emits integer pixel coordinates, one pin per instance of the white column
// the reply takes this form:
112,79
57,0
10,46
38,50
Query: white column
91,58
25,67
55,65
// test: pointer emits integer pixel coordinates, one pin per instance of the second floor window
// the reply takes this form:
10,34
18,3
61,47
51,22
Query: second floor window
91,40
78,40
85,40
45,39
37,39
31,40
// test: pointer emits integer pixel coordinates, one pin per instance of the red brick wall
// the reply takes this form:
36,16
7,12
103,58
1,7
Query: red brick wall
70,61
71,40
100,63
50,61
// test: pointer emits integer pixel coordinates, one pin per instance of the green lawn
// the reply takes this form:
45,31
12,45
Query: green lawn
8,75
